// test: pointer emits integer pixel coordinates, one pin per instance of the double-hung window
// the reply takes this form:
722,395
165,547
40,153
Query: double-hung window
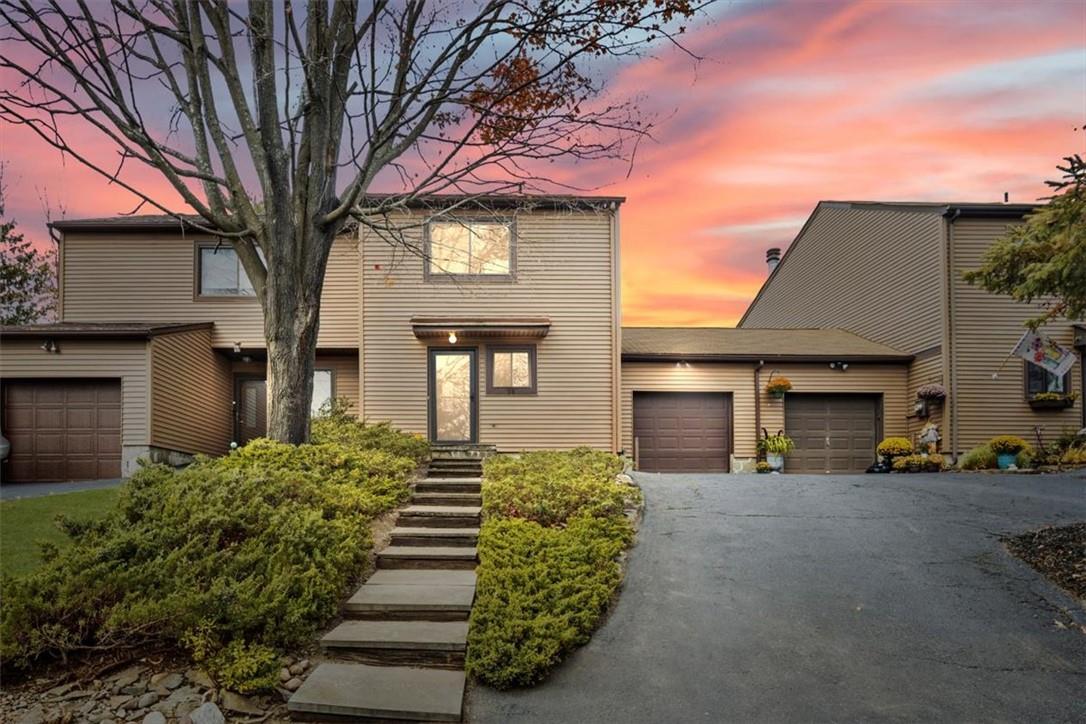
482,250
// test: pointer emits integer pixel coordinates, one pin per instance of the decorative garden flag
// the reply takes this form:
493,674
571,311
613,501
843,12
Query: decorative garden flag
1045,352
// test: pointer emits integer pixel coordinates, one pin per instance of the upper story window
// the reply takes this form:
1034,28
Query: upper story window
1039,380
465,248
220,273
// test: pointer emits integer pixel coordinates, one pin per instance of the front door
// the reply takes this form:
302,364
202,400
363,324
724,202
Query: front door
250,408
453,391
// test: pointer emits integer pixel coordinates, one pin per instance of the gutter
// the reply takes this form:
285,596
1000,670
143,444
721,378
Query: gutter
764,358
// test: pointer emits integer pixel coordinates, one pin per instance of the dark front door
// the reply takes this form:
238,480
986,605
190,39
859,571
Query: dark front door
682,431
62,430
833,433
454,393
250,408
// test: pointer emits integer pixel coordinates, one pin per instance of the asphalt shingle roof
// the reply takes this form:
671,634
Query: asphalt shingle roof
747,344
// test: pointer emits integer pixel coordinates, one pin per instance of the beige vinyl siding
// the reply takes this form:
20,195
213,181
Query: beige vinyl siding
735,378
738,379
85,359
564,272
344,373
151,277
191,394
888,380
874,272
984,330
927,369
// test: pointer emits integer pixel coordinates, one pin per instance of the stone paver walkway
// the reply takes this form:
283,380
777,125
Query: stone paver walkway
400,651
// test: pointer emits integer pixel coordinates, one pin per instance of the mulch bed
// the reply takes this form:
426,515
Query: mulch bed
1058,553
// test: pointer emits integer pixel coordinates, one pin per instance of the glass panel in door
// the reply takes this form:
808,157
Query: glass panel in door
453,387
252,409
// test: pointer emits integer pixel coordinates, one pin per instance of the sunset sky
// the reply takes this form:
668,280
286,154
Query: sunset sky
794,101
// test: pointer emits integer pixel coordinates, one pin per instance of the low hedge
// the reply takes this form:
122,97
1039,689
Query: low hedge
554,527
336,424
234,558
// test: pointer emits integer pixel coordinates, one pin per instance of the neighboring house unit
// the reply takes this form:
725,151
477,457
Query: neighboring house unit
160,349
498,324
892,272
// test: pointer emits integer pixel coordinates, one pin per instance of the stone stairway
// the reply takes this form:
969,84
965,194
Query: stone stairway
399,653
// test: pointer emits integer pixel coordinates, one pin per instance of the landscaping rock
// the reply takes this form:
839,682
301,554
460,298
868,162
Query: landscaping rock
127,677
293,684
284,675
119,702
304,663
34,716
239,704
147,700
207,713
297,669
200,678
154,717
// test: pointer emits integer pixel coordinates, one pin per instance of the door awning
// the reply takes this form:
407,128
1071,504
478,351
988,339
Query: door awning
433,327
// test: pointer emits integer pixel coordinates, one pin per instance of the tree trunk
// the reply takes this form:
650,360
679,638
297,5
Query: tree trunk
291,322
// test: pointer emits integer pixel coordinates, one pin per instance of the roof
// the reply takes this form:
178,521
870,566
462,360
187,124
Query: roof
165,222
951,210
111,330
434,327
735,344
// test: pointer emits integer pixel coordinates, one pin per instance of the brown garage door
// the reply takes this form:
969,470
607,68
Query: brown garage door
62,430
833,433
682,431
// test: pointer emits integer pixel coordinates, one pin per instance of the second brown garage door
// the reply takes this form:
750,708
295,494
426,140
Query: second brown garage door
833,433
62,430
682,432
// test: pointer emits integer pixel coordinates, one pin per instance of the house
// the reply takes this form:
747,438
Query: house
506,336
892,272
497,324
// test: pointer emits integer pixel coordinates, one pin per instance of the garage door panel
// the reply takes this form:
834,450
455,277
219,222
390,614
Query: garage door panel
682,431
833,433
62,429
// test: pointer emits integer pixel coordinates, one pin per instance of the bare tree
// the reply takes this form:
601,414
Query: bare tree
282,117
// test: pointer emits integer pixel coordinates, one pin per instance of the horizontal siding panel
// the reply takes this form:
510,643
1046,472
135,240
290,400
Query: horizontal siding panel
151,278
124,360
738,379
191,394
874,272
985,329
564,272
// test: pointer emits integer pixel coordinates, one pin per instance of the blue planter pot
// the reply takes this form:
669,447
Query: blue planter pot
1005,460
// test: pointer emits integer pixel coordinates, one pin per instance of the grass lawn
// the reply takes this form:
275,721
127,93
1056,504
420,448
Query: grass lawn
25,522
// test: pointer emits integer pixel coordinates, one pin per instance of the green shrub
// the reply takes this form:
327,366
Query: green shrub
541,592
981,457
233,557
1007,444
919,463
1023,460
893,447
554,526
335,424
550,487
776,444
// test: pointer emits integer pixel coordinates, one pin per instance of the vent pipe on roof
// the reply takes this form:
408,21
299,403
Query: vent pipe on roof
772,258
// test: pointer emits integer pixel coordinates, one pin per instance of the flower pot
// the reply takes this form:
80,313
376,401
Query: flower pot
775,460
1005,460
1061,404
777,395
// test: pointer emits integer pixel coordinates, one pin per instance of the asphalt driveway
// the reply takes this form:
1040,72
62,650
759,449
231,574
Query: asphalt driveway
804,598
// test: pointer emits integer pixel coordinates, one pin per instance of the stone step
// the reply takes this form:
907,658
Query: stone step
420,536
411,602
357,692
462,557
448,485
439,516
394,643
421,578
458,471
442,498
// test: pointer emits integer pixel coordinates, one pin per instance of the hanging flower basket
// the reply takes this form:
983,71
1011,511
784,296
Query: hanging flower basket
778,386
931,393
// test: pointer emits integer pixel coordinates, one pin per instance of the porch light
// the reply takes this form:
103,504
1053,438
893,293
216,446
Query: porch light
452,337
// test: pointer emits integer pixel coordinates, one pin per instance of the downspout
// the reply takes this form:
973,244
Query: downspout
949,356
616,343
757,404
